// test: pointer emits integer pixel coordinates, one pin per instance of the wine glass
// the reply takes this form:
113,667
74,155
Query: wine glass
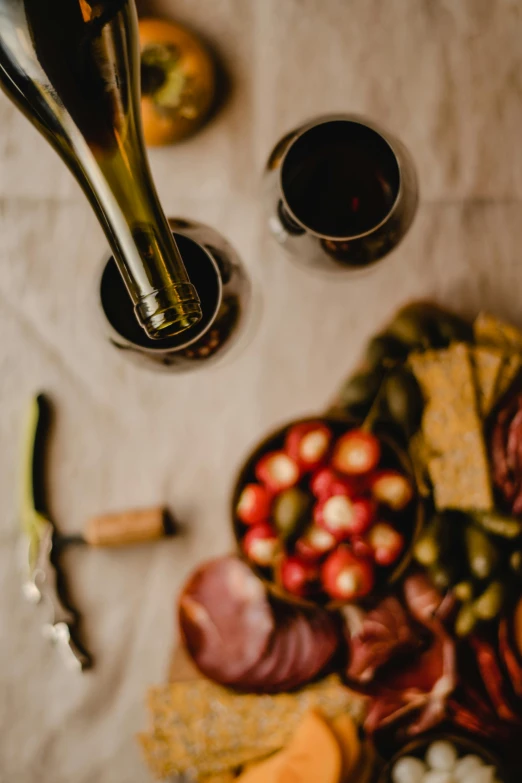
340,193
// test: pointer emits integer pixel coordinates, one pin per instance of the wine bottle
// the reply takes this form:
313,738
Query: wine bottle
72,66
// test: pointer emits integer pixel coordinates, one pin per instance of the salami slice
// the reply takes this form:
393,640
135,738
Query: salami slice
239,639
225,619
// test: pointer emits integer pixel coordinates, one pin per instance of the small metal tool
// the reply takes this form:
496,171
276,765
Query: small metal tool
42,544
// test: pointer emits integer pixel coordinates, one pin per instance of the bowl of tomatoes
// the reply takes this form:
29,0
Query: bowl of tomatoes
326,512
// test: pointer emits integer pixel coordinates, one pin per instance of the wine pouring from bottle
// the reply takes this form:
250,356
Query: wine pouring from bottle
72,67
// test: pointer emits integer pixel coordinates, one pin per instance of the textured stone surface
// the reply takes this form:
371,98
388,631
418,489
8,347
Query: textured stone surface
444,76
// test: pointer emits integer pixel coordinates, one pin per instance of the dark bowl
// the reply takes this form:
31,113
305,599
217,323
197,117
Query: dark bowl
393,456
464,745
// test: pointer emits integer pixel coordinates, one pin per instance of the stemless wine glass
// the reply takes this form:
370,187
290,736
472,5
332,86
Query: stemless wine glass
340,193
224,291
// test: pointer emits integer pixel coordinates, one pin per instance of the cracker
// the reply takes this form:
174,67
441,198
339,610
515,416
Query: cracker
492,331
487,363
198,726
452,429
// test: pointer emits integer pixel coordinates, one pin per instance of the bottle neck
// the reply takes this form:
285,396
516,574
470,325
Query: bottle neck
72,66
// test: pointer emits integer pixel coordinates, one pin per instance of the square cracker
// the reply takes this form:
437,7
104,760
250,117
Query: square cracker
487,363
452,429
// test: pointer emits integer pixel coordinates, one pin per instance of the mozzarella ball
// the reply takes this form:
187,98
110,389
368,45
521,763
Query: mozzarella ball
482,775
465,767
437,776
408,770
441,756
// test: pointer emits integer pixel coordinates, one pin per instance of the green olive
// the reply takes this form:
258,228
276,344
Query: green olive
404,400
291,511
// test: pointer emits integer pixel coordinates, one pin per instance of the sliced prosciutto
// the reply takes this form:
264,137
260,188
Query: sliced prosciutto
376,638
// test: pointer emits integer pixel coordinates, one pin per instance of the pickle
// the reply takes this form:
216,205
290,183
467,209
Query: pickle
498,524
481,552
466,620
385,348
359,391
515,562
488,605
429,547
291,511
463,591
442,575
404,400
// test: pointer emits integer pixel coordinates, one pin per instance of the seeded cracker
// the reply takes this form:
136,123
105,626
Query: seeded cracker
489,330
487,362
201,728
452,429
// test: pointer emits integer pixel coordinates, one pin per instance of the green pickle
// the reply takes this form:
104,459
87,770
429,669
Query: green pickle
482,554
404,400
442,575
291,512
429,547
466,620
515,562
488,605
498,524
463,591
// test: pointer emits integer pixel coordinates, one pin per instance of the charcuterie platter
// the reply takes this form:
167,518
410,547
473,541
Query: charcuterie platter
369,625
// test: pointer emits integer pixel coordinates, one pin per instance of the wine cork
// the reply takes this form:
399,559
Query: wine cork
128,527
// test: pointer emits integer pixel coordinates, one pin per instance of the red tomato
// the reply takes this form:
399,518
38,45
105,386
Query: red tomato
387,543
308,443
253,505
297,576
277,471
356,453
346,577
392,489
261,544
314,543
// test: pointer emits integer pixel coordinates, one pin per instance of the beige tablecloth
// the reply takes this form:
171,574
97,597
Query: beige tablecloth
445,76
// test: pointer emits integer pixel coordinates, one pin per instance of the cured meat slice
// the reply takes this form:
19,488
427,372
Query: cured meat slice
383,633
318,643
226,619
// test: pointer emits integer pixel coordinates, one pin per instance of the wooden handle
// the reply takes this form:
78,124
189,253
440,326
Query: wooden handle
128,527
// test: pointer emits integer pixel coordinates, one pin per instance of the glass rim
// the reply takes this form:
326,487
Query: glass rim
163,349
352,119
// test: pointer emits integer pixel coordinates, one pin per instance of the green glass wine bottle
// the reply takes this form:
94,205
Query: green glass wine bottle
72,66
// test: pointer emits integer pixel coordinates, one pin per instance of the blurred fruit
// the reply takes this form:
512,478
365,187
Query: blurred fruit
392,489
297,576
277,471
178,81
346,577
308,444
253,505
356,453
262,545
386,542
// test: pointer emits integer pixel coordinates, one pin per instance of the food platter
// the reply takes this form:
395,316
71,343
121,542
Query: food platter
415,466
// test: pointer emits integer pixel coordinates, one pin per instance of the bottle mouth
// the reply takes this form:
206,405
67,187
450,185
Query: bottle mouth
169,311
